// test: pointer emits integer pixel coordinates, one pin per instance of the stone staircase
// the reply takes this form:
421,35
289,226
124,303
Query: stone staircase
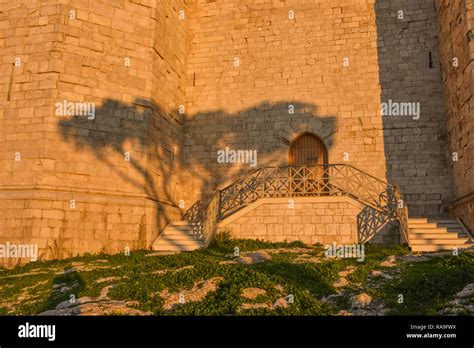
379,198
176,237
437,234
426,235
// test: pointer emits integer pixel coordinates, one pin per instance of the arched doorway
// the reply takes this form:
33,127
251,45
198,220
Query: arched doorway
310,151
307,150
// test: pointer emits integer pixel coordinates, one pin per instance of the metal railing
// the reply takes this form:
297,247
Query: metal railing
195,216
381,199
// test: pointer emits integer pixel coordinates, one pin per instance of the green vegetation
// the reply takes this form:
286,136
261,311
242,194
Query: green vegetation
292,269
427,286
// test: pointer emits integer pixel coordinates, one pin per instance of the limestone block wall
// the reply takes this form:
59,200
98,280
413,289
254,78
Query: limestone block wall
335,62
311,220
128,59
28,82
416,149
173,81
456,30
251,61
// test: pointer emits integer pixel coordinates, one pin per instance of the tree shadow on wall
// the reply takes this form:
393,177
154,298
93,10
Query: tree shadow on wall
172,157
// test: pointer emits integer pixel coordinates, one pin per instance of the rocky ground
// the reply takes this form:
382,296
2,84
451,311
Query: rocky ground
260,279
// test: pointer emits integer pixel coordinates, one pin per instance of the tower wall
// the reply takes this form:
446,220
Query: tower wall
456,31
90,184
173,82
298,61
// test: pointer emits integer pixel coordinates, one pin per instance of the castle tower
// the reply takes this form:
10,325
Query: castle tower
112,113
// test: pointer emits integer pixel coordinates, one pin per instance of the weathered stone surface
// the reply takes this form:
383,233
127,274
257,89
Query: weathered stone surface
252,293
197,293
171,90
101,305
310,220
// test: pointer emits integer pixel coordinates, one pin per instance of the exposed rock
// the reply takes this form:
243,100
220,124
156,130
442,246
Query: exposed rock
162,253
80,267
280,303
108,279
362,300
287,251
391,261
100,305
164,271
252,293
306,258
462,304
279,287
468,291
341,282
251,257
247,306
197,293
412,258
347,271
378,273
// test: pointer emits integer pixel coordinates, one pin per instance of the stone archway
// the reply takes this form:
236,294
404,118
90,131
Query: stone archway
307,150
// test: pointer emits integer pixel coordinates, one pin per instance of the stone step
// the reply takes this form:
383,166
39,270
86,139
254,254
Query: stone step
426,225
177,248
165,244
166,239
431,221
434,236
437,247
455,229
444,221
428,230
452,241
418,220
179,223
181,236
173,230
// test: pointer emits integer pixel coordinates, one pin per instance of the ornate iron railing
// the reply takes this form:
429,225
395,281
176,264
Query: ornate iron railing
381,199
323,180
369,222
195,217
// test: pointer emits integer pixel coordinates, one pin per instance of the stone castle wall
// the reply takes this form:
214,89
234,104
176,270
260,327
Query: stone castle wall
409,71
299,61
175,81
311,220
108,166
456,30
282,62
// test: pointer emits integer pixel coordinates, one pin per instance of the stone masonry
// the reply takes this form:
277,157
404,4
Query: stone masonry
456,30
310,220
174,81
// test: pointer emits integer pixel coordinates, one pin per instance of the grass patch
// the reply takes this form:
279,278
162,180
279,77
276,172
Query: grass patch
40,286
427,286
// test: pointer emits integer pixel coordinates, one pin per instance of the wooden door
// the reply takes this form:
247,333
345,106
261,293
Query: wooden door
308,150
